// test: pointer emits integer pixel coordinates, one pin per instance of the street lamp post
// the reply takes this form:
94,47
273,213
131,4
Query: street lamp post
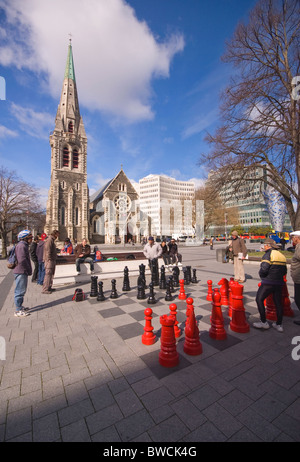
225,217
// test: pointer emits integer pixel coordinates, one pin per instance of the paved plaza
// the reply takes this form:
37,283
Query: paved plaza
79,371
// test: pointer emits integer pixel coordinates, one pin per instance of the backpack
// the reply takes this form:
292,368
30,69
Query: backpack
79,295
12,259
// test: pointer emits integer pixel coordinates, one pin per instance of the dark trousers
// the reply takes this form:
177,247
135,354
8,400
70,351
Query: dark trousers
297,295
35,270
263,292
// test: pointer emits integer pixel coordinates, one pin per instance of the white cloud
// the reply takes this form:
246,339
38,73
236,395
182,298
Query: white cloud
6,132
116,56
34,123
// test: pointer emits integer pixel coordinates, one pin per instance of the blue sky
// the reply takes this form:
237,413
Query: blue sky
148,75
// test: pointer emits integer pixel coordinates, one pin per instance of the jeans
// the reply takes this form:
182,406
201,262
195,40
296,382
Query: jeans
83,260
263,292
20,290
41,273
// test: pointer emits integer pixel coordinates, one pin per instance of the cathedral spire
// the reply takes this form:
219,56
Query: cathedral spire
70,72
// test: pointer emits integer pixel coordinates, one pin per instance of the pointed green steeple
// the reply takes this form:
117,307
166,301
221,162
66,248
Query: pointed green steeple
69,72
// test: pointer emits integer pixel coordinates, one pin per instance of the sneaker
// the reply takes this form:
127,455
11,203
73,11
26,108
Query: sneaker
78,273
92,272
179,264
277,327
261,325
21,314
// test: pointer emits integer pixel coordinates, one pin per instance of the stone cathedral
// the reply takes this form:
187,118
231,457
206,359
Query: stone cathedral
69,208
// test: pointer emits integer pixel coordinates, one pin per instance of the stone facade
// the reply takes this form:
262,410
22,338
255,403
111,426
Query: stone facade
68,198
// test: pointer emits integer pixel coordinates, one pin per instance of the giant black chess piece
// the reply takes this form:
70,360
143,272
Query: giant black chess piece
154,272
194,278
175,272
100,297
126,283
162,282
94,286
171,284
168,296
114,293
189,273
142,278
141,292
151,298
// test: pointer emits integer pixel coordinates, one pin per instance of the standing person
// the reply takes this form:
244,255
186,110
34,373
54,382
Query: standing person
40,257
165,253
295,269
82,254
173,252
49,258
211,243
272,270
33,256
152,250
239,251
22,271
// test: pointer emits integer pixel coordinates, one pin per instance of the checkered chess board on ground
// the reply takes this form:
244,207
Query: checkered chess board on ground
126,316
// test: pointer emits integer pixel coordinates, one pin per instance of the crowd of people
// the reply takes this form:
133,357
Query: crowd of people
42,251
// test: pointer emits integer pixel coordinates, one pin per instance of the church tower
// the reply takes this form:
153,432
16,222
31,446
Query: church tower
68,197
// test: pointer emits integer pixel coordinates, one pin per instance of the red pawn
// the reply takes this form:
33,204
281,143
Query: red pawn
210,291
217,330
173,312
182,294
224,291
148,338
238,322
168,356
192,345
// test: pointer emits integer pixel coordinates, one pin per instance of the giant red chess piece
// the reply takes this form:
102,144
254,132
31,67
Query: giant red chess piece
168,356
173,312
192,345
230,297
287,309
238,322
182,294
224,291
209,291
148,338
217,330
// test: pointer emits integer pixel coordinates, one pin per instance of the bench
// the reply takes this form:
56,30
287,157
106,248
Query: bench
65,272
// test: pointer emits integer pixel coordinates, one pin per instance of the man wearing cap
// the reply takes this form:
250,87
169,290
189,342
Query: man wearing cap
239,251
295,269
152,250
272,270
22,271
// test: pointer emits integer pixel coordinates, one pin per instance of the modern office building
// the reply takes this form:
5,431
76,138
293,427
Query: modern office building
168,202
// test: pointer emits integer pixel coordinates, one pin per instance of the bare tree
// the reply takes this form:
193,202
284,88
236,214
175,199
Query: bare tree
18,202
260,109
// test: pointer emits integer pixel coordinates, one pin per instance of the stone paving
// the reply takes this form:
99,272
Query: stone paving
71,373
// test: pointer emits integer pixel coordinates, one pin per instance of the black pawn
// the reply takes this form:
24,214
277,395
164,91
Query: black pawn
171,284
114,293
151,299
94,286
100,297
194,278
168,296
141,292
162,283
176,272
126,284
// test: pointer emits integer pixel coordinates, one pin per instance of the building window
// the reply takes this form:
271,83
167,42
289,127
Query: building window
71,127
76,216
66,157
75,158
62,216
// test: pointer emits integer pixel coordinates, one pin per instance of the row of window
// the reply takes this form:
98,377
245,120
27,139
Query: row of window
66,157
63,216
